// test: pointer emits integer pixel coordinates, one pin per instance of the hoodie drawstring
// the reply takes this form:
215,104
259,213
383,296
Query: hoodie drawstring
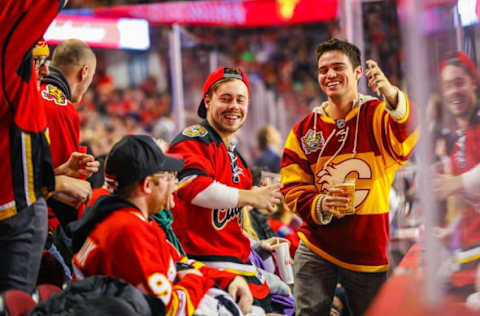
344,140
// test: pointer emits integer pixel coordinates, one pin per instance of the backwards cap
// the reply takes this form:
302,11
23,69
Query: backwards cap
134,158
220,73
41,49
458,57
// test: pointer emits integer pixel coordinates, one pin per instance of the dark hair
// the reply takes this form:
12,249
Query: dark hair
214,87
352,51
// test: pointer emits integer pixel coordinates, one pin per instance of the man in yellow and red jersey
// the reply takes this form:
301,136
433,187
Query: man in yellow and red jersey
350,136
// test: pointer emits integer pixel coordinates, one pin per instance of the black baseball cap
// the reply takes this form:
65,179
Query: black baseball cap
135,157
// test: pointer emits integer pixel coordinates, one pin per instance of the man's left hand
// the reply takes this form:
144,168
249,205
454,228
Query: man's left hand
240,292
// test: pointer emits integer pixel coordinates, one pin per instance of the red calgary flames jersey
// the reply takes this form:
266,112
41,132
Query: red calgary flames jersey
127,246
63,124
212,234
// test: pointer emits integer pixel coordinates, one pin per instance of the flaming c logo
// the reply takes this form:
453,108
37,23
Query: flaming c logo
339,172
286,8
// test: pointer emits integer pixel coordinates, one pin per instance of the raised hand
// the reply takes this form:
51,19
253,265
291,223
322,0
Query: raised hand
378,82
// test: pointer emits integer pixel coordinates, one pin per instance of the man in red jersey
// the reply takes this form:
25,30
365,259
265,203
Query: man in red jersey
350,136
118,237
459,83
26,166
70,74
216,183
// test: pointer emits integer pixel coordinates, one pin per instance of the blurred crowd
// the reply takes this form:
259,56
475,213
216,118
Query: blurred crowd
287,70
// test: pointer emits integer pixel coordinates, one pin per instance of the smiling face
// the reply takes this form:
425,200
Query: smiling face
227,107
458,90
336,76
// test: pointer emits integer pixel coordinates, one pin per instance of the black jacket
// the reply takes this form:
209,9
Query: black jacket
80,293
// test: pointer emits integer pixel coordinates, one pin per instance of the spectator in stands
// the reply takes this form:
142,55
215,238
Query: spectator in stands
216,183
270,145
459,86
117,236
340,305
70,73
26,165
350,135
280,223
40,54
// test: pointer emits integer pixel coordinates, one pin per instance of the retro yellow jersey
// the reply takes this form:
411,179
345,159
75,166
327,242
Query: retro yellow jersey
369,145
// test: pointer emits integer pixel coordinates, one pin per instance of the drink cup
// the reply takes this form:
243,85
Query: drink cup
281,254
346,189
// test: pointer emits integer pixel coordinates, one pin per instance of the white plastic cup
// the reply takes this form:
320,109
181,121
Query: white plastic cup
281,254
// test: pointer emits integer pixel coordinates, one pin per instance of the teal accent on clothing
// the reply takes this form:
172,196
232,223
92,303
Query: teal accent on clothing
165,219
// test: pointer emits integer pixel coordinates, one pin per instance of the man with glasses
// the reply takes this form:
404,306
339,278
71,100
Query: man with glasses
118,237
40,54
216,183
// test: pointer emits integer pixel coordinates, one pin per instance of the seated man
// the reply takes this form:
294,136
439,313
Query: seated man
117,237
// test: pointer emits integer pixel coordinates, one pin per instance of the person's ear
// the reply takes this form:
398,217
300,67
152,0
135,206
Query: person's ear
207,100
358,72
147,185
83,72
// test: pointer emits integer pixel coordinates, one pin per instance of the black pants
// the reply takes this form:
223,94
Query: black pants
22,239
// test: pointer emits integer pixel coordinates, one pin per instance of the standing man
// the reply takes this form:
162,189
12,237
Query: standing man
26,166
70,74
216,183
118,237
349,136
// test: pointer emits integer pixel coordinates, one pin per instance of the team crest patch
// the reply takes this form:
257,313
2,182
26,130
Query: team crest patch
195,131
54,94
312,141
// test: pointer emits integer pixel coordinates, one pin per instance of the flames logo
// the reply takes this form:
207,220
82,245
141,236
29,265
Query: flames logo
286,8
54,94
338,172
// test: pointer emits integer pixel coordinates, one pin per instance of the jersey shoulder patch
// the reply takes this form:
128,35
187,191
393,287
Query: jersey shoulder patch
195,131
52,93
